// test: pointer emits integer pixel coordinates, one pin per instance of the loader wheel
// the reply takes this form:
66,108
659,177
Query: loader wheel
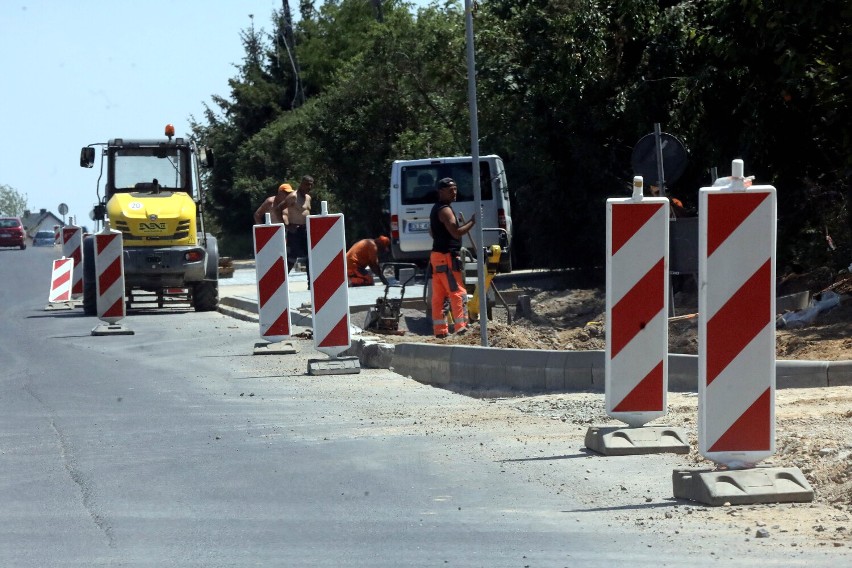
505,266
205,296
90,291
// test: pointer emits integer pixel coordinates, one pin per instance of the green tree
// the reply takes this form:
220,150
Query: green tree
376,91
769,81
256,99
552,79
391,101
565,89
12,203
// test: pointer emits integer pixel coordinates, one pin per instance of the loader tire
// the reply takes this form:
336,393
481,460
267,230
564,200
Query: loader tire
90,291
205,296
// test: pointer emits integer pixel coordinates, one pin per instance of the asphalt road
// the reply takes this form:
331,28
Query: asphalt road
176,446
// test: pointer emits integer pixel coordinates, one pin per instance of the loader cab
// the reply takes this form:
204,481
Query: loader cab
151,166
140,167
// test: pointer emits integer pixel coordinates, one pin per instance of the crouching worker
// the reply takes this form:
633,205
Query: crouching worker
447,279
362,260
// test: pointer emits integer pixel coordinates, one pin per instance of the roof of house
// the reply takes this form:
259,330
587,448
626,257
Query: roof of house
32,221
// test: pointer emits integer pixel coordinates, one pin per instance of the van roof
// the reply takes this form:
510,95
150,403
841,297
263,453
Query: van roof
445,159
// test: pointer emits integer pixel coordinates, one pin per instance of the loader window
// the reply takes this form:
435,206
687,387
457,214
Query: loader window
418,182
135,168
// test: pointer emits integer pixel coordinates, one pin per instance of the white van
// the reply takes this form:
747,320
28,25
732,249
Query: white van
413,192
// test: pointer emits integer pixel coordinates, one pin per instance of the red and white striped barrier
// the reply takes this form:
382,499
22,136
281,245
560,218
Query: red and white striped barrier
329,289
109,275
60,280
637,264
72,247
273,288
736,334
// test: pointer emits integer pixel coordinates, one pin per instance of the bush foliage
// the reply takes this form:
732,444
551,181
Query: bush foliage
565,89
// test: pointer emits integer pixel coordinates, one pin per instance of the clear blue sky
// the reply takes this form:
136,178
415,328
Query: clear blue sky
76,72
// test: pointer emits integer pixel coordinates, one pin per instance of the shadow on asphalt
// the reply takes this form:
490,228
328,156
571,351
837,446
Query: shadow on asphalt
548,458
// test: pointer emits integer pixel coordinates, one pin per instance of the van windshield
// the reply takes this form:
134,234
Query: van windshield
419,183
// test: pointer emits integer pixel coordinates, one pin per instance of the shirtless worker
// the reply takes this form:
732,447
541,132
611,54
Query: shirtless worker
295,210
362,260
272,205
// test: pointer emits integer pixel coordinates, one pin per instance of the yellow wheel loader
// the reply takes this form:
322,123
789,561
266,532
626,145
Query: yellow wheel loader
153,195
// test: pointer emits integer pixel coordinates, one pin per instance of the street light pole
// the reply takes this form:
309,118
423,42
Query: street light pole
475,177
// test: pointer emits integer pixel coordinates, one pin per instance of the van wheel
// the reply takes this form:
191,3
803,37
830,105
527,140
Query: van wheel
427,300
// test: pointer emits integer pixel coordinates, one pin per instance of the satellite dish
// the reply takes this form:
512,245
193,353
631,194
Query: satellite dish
63,209
644,160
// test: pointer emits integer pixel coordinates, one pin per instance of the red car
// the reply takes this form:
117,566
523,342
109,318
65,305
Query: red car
12,233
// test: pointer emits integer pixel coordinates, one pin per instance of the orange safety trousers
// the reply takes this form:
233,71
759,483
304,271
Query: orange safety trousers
447,283
358,278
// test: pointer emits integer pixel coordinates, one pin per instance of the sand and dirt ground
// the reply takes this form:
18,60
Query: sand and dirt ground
813,425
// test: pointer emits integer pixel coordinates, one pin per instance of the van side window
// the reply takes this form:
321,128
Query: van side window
418,185
461,173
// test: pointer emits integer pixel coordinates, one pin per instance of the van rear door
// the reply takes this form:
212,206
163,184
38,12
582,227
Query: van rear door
417,194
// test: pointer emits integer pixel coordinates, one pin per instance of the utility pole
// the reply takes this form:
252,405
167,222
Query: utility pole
477,181
380,17
289,45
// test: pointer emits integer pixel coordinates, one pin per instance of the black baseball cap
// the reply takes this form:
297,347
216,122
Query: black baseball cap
446,182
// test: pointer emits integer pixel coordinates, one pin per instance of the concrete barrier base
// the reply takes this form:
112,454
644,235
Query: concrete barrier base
742,486
59,306
625,441
334,366
280,348
112,329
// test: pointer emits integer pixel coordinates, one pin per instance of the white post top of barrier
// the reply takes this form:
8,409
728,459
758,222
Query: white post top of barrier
106,230
324,207
267,218
638,185
737,169
736,181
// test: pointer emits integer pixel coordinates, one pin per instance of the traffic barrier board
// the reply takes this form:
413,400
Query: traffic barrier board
329,290
109,275
736,332
60,280
72,247
273,289
636,364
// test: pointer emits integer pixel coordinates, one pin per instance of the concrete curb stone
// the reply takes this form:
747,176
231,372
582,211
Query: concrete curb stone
801,374
538,370
839,373
530,370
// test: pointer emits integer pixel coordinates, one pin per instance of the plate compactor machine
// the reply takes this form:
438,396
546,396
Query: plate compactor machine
384,316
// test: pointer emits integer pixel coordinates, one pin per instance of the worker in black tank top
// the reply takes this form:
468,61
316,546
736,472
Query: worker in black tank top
447,279
442,240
